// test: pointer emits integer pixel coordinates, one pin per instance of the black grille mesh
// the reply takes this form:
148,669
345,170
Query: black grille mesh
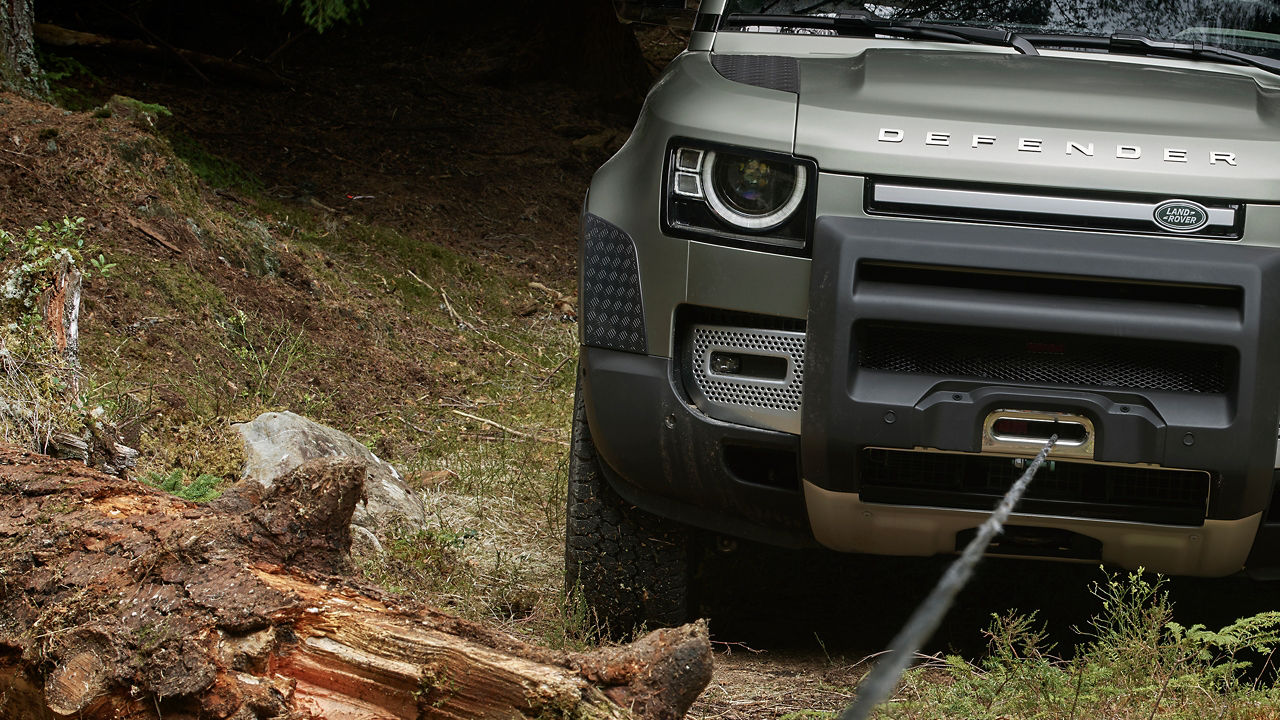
612,310
1080,489
1065,360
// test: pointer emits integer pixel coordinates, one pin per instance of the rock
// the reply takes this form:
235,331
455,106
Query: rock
276,443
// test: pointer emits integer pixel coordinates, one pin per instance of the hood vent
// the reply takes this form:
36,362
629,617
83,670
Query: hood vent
766,71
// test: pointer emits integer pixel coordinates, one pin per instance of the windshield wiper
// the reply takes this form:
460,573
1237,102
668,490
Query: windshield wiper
1133,44
866,22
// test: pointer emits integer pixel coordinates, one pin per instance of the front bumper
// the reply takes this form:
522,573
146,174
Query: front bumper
1196,396
1081,301
842,521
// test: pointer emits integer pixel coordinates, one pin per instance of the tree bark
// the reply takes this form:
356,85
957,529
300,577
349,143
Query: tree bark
19,70
582,44
118,601
60,308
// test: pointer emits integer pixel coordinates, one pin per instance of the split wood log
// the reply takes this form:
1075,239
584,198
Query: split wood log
119,601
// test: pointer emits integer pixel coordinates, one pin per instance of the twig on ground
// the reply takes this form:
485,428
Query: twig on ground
509,430
550,291
728,646
411,425
552,374
453,314
424,282
15,162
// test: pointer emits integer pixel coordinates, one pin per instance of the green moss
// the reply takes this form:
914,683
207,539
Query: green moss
202,489
213,169
178,287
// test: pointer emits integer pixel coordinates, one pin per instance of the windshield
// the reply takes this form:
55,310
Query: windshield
1251,26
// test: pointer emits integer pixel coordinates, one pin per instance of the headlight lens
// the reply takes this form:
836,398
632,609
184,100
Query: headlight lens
739,196
749,192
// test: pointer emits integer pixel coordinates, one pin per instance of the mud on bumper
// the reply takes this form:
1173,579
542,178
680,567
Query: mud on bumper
918,332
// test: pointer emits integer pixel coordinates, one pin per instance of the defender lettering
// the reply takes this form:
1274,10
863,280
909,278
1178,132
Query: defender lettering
1071,147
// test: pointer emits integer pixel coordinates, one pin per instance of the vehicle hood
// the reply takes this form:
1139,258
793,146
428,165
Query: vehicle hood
873,114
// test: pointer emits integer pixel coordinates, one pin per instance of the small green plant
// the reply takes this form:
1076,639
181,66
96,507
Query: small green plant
201,489
43,252
264,356
57,68
1138,664
324,14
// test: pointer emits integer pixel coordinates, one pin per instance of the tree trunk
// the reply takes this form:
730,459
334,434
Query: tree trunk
118,601
608,59
19,70
583,44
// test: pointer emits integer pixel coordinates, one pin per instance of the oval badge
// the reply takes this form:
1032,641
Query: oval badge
1181,216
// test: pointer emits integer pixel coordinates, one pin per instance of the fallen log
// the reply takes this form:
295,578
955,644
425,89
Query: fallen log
64,38
119,601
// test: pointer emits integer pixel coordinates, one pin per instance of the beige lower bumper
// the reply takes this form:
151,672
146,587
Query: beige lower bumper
841,521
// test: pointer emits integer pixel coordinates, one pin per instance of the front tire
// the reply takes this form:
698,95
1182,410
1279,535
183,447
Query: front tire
630,567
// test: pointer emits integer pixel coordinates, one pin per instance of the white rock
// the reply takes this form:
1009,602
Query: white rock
276,443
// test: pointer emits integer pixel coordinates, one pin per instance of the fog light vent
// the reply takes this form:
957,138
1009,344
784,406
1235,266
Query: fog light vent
751,376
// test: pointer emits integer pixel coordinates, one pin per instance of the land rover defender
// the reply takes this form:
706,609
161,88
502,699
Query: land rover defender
858,261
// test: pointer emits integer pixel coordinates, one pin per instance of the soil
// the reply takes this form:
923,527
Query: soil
439,124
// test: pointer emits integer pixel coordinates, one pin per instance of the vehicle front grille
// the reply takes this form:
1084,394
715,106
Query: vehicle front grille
1044,359
977,482
1106,212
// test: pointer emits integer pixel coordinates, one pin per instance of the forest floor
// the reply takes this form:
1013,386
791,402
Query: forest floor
386,242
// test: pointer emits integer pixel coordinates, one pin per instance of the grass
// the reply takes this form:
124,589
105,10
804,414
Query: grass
428,356
215,170
1134,663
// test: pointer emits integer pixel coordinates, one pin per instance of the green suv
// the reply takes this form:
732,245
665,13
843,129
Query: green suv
858,261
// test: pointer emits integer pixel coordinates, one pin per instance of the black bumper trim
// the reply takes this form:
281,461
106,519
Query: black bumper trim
661,454
847,408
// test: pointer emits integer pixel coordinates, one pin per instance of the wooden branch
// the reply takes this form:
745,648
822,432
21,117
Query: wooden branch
454,313
152,234
64,38
509,430
120,601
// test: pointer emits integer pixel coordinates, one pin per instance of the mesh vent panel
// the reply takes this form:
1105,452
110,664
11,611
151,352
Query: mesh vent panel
766,71
748,391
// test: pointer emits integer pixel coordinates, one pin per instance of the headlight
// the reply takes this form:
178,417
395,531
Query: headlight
738,196
749,192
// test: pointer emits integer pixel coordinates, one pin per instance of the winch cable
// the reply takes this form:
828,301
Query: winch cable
883,678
